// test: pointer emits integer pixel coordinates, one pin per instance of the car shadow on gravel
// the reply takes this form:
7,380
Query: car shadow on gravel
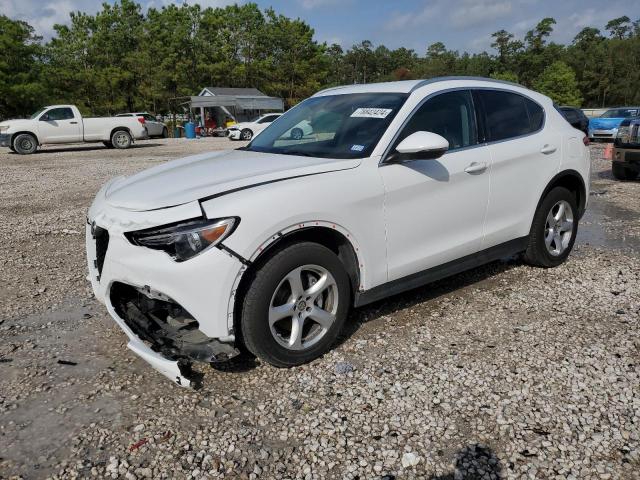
456,283
86,148
473,462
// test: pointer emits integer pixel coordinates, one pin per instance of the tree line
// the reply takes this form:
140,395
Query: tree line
125,59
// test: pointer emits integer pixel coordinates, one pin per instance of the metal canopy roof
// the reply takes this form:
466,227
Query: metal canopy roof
243,102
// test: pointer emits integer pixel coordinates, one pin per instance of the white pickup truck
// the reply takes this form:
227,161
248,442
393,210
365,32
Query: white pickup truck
64,124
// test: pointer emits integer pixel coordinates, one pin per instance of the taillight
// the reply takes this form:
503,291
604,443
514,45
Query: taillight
585,140
141,120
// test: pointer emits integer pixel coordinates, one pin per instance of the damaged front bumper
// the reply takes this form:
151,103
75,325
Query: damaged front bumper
165,325
173,313
5,140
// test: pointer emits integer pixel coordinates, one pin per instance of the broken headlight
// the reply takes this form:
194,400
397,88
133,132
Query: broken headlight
187,239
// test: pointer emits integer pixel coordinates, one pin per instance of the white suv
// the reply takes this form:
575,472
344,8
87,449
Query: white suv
268,247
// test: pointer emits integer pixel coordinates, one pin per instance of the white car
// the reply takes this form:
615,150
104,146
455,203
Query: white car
155,127
269,246
59,124
247,130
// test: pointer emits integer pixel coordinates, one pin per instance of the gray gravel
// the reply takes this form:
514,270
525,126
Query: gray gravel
506,371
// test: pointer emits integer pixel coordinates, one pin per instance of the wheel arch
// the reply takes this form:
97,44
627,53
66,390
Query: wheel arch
329,235
572,181
116,129
15,135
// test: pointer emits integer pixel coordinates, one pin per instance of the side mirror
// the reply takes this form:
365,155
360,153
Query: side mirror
420,146
44,118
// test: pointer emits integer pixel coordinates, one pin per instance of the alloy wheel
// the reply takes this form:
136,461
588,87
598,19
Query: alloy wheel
558,228
303,307
122,139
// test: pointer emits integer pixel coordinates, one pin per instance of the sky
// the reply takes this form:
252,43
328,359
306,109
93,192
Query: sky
464,25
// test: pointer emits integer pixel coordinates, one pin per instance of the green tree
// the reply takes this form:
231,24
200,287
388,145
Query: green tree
21,87
619,27
558,81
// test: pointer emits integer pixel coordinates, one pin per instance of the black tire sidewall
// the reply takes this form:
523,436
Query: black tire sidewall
622,172
256,333
18,149
537,251
115,144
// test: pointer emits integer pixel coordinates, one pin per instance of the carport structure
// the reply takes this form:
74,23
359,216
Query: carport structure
238,103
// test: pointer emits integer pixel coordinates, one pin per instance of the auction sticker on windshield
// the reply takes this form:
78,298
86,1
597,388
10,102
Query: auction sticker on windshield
371,112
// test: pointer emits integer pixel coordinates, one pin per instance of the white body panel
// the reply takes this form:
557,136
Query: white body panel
74,130
400,219
256,126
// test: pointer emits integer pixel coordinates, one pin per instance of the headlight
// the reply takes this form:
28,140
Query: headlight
623,134
4,128
187,239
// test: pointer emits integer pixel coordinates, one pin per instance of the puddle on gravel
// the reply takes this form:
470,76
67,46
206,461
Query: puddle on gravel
596,230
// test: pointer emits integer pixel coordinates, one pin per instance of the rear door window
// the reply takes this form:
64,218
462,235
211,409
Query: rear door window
508,114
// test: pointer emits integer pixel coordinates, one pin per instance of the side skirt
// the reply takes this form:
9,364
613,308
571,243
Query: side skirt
441,271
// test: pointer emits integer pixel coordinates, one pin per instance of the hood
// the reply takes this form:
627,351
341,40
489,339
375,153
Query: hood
605,123
16,123
213,173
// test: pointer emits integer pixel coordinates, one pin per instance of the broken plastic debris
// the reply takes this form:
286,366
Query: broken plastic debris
138,444
67,362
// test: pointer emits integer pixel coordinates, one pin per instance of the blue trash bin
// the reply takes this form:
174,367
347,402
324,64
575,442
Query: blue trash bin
190,130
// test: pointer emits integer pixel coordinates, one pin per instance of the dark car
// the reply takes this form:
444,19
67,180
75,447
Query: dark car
576,118
625,163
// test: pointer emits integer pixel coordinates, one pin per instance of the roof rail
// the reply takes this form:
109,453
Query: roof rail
444,79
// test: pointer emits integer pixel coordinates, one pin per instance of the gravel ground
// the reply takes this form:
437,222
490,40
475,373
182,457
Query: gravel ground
505,371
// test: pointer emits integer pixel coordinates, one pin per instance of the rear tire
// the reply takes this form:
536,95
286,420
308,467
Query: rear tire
297,134
554,229
286,322
622,172
121,139
165,133
25,144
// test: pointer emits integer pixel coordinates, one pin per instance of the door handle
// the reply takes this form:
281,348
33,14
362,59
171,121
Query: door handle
547,149
476,167
73,123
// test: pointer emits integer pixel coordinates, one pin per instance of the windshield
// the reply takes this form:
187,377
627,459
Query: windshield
336,126
37,114
621,113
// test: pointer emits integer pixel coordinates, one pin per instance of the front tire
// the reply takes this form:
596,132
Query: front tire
554,229
121,139
246,134
165,133
25,144
296,305
621,172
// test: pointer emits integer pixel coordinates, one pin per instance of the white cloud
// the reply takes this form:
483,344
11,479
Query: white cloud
477,12
400,21
42,16
585,18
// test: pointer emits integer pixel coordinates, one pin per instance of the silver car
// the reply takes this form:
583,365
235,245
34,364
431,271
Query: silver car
155,127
